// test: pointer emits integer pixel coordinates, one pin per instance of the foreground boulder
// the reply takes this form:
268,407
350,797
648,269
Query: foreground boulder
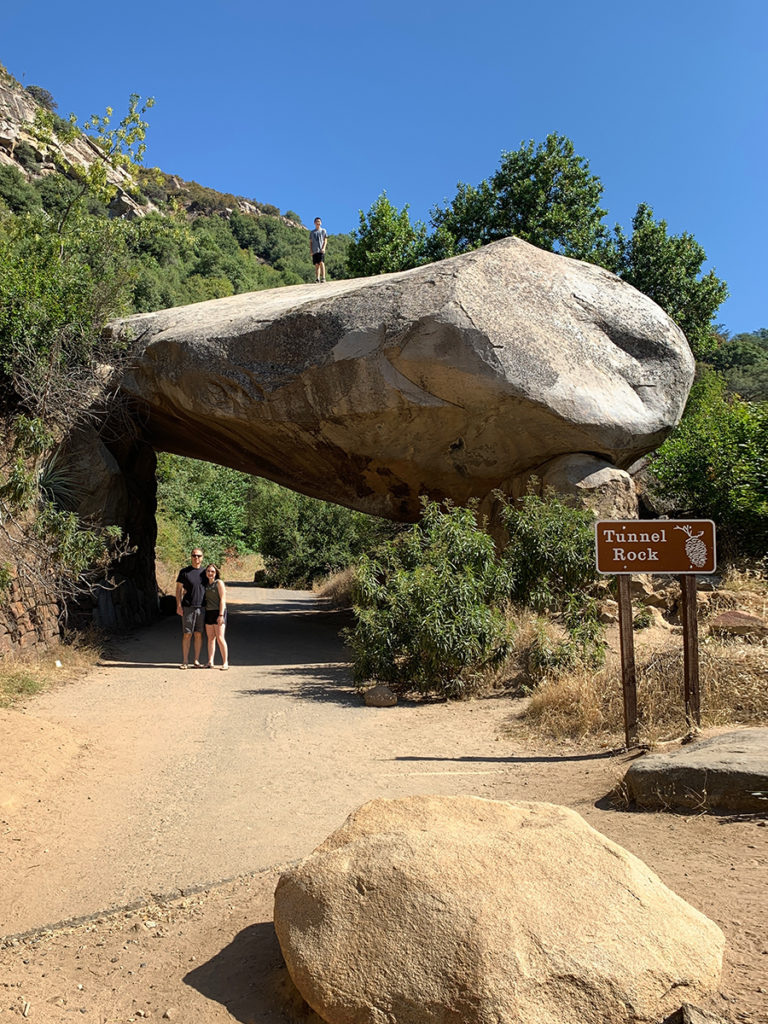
449,380
440,910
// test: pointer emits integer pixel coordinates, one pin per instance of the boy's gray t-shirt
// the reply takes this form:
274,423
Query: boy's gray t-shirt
317,238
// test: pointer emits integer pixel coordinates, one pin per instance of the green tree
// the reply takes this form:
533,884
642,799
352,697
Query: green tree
120,145
337,256
715,465
544,194
386,241
743,362
303,539
668,269
205,504
43,97
56,292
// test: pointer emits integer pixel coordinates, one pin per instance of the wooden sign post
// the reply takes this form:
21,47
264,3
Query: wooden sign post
676,547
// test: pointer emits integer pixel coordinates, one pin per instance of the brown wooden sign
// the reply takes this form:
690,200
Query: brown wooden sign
669,546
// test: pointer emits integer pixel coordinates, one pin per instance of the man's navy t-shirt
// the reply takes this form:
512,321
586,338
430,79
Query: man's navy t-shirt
193,581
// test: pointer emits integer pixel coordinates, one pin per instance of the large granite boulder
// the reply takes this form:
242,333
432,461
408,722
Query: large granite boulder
458,910
449,380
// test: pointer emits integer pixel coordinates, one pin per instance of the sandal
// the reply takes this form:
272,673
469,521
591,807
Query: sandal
198,664
224,667
184,665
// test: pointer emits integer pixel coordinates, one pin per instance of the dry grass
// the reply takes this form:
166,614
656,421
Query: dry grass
750,578
734,691
166,574
583,703
337,588
25,673
236,569
241,568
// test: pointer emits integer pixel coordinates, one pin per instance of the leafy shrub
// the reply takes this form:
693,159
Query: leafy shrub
427,612
200,199
15,191
547,652
550,562
6,576
715,465
550,555
27,156
56,292
303,539
57,195
643,619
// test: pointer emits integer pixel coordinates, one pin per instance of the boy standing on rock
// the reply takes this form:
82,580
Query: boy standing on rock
318,239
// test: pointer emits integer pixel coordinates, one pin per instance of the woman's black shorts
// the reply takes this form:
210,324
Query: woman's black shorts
211,618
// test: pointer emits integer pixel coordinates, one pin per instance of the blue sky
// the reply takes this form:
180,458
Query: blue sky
318,107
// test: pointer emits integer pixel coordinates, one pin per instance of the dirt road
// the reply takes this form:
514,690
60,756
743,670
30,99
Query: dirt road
142,781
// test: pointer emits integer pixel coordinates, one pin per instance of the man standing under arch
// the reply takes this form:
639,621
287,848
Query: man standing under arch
190,598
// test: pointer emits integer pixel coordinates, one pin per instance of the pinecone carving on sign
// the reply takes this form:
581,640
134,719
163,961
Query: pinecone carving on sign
695,548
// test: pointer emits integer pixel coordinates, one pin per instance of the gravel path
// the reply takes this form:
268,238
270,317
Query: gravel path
178,779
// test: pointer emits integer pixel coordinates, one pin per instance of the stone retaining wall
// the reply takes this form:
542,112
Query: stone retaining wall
27,619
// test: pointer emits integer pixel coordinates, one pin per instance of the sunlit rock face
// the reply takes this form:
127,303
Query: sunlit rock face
449,380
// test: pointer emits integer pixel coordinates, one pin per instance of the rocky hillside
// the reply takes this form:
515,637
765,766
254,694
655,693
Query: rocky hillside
138,190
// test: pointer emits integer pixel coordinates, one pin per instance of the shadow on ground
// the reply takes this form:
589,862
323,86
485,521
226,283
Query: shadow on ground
294,634
249,978
331,684
532,759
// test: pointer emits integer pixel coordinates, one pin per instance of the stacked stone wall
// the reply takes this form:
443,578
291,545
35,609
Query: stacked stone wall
27,619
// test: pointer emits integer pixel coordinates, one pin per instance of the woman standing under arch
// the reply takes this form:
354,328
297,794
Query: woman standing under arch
215,615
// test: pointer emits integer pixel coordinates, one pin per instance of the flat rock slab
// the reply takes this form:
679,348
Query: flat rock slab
727,772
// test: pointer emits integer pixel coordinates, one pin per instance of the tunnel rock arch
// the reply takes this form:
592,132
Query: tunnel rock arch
450,380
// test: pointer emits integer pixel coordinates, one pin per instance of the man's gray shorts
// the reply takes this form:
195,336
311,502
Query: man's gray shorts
192,620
